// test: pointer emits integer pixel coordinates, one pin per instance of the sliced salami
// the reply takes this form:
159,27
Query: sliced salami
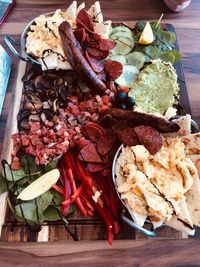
150,138
96,53
80,35
97,167
89,154
106,143
106,44
93,131
84,19
95,65
129,137
113,68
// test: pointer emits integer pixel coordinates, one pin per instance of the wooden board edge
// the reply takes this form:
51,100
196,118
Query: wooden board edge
11,127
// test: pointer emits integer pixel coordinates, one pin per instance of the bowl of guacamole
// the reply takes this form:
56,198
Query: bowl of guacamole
155,88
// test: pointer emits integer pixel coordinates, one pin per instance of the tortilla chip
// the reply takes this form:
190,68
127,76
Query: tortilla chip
137,217
183,221
185,126
193,201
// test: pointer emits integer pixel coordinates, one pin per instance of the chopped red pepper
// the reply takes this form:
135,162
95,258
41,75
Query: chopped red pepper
58,189
73,197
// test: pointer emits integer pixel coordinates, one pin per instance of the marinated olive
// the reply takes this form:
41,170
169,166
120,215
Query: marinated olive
122,106
130,102
121,96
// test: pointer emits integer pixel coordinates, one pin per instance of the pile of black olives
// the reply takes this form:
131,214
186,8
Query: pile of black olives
124,101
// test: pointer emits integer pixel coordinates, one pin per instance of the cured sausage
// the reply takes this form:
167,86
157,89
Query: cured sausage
89,154
149,138
129,137
96,66
113,68
84,19
93,131
106,143
137,118
72,50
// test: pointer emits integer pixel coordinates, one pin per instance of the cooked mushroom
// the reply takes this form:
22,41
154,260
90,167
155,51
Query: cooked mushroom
34,117
43,82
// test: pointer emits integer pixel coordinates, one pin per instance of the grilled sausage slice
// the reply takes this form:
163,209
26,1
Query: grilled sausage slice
137,118
72,50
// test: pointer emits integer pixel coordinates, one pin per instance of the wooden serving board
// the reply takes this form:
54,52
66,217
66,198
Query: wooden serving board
87,228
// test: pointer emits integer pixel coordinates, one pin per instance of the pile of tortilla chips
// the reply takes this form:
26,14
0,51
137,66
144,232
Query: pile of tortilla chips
163,188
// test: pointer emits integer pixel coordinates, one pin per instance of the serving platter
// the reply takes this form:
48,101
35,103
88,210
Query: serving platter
87,228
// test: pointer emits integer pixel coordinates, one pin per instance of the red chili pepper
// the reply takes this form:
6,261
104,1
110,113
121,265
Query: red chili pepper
58,189
73,197
73,186
86,179
87,202
67,191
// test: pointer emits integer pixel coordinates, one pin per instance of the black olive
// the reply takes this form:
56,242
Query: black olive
130,102
121,96
122,106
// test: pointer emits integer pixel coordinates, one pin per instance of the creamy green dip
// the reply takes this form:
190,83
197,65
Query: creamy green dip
155,88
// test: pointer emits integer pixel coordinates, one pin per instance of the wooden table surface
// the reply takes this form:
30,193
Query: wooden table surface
97,253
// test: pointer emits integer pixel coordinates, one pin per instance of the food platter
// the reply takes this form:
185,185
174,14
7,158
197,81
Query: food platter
87,227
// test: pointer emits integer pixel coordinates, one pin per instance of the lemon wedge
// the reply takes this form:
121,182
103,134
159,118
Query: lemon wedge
40,186
147,36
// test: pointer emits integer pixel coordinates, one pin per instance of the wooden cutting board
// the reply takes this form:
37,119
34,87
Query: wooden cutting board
87,228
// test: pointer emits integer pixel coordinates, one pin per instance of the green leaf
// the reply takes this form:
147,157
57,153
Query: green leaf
52,214
139,26
166,56
151,51
13,175
28,164
44,201
52,164
27,212
3,184
57,197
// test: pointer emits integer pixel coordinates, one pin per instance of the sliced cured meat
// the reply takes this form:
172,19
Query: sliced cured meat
93,131
76,59
119,126
80,35
96,53
138,118
106,44
97,167
113,68
106,143
81,142
96,66
84,19
149,137
129,137
89,154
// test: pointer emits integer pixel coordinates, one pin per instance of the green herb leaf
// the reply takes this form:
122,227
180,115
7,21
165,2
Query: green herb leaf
3,184
13,175
28,164
139,26
52,214
27,212
52,164
57,197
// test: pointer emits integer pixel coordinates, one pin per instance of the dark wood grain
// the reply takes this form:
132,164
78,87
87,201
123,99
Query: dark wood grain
144,253
97,253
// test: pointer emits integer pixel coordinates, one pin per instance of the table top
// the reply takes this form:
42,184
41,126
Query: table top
187,24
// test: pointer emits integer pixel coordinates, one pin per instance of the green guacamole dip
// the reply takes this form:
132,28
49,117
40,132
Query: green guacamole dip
155,88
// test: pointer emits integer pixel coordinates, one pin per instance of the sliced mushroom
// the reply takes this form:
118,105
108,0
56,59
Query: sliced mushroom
58,82
24,124
34,117
43,82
